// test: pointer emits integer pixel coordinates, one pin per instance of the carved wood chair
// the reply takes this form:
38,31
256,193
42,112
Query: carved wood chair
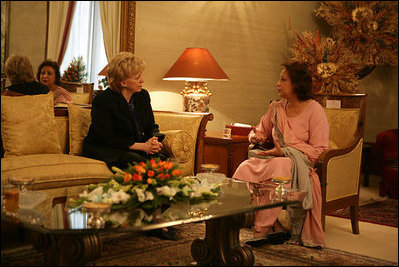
339,167
81,93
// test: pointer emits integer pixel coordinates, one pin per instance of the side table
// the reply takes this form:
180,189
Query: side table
228,153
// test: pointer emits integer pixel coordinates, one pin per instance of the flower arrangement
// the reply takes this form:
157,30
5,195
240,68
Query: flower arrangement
104,82
148,186
76,71
368,28
330,69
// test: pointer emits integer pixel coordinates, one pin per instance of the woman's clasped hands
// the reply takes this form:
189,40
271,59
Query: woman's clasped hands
152,146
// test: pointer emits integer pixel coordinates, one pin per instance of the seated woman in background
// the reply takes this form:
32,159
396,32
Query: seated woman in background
48,73
299,129
19,71
123,128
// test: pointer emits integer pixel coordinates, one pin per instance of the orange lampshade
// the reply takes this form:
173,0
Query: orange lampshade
196,64
103,72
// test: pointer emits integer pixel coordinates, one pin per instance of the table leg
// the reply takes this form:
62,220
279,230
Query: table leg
221,245
67,249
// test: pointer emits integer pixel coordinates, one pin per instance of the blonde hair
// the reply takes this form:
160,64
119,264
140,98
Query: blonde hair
19,69
122,66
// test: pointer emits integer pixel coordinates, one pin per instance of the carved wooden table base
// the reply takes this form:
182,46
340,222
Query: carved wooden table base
221,245
64,249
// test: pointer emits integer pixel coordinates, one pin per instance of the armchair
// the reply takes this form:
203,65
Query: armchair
81,93
339,167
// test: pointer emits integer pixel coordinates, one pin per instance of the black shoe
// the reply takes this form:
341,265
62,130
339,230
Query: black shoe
163,233
278,238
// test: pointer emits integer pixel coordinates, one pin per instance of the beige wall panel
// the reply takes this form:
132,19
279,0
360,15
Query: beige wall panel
28,30
247,38
381,87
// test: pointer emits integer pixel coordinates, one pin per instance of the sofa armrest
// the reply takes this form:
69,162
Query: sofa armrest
193,123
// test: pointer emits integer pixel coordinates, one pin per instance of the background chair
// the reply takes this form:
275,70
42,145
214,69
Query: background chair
387,144
81,93
339,167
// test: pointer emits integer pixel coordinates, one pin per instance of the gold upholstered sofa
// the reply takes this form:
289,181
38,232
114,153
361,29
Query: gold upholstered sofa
44,142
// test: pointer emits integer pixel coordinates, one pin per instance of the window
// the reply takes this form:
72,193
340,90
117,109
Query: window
86,39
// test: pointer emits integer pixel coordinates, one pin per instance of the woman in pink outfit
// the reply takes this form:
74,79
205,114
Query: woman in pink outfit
301,127
48,73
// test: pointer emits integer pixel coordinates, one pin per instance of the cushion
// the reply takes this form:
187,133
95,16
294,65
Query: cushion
178,144
28,126
54,170
79,123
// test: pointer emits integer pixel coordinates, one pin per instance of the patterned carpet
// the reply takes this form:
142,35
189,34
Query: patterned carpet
383,212
140,250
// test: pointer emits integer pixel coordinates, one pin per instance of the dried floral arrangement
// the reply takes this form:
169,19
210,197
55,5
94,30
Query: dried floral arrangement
331,71
368,28
76,71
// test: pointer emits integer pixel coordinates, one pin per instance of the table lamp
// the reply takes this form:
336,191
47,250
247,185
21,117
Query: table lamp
196,66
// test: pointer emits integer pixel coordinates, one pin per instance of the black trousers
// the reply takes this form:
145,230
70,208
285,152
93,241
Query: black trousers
118,157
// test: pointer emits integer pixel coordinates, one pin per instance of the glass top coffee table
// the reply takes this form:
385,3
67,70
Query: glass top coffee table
77,242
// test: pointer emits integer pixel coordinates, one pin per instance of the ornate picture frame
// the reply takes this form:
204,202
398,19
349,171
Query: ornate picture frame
5,22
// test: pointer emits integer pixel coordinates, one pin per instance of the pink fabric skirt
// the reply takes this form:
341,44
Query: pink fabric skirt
260,171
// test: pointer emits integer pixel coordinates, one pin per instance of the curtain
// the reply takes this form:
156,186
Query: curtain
59,23
110,12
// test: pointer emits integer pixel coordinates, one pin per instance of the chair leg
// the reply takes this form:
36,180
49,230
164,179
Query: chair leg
355,219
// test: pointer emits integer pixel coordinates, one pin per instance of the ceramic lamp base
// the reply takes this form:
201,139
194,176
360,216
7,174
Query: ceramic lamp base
196,102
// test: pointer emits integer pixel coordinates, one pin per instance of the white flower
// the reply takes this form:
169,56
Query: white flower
119,217
166,191
140,194
186,190
149,195
119,196
201,188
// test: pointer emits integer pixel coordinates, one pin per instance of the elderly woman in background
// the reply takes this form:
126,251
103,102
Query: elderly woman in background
48,73
299,129
19,71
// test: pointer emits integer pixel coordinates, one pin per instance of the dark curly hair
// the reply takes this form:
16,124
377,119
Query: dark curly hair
52,64
300,78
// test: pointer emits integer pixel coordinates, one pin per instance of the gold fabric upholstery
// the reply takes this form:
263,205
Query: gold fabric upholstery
343,174
178,144
62,124
54,170
28,126
343,125
80,98
79,123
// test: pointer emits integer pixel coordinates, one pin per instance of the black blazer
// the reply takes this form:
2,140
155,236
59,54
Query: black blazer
32,88
113,124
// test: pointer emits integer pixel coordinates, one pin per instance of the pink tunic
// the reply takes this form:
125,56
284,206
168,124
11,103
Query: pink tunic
307,132
61,95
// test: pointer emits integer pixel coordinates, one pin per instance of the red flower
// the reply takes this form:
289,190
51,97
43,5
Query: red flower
137,177
150,173
127,177
176,172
